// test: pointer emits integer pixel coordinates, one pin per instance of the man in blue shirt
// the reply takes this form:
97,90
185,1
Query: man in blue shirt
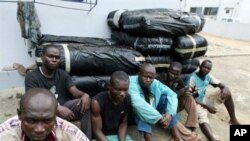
154,102
200,81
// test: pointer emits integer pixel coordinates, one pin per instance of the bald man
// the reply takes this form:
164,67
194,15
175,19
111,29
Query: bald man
153,102
37,121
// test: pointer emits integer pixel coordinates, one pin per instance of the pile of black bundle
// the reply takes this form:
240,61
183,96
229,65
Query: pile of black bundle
92,84
162,35
146,45
155,22
92,60
85,59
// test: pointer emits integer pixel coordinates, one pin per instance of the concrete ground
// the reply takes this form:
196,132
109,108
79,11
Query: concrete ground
231,66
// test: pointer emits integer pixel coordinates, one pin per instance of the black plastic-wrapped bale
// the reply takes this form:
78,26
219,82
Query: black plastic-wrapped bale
189,46
185,77
91,84
146,45
190,65
161,63
83,59
160,22
47,38
114,17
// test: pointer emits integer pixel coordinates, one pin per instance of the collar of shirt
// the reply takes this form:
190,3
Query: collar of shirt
51,137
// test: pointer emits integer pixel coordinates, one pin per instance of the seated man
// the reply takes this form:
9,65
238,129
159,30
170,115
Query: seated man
110,110
200,81
50,77
154,102
37,121
185,98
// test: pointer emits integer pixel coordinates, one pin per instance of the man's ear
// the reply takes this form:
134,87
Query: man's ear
19,113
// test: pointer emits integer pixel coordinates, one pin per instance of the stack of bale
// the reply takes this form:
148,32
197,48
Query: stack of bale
157,36
164,35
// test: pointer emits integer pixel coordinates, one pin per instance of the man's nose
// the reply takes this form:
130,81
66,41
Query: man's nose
148,79
123,93
39,128
54,59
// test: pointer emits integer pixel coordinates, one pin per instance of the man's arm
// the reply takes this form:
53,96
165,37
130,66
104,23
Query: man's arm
84,97
122,130
172,104
224,89
30,82
142,109
96,121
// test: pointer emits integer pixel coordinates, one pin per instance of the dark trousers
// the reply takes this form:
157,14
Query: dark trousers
85,118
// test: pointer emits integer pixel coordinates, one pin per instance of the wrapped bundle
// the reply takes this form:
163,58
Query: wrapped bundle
156,22
161,63
91,84
146,45
47,38
81,59
189,46
190,65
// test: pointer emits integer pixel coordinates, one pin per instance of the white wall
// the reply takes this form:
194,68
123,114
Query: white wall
186,4
12,48
244,11
60,21
239,31
241,8
94,24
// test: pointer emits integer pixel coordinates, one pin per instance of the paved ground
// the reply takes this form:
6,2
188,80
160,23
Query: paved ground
231,65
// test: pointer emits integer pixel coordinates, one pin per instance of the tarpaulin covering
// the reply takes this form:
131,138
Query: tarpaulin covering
185,77
146,45
91,84
190,65
158,59
156,22
189,46
47,38
84,59
114,17
161,63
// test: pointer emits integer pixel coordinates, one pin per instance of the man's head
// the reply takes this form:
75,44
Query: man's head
205,67
37,113
146,75
51,56
119,84
174,71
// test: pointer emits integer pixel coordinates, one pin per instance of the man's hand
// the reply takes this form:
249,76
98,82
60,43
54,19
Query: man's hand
186,92
85,102
165,120
65,113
